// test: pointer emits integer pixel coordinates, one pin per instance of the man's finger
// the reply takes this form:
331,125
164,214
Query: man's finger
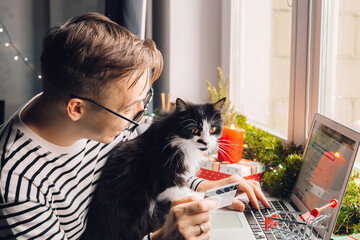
185,200
237,205
249,190
196,229
260,195
204,236
199,206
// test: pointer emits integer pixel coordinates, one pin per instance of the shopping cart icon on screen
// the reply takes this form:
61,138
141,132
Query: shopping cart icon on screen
291,225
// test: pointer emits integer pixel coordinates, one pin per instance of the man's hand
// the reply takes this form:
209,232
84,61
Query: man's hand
187,218
250,187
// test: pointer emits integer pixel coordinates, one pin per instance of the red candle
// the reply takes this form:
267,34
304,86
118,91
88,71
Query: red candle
231,144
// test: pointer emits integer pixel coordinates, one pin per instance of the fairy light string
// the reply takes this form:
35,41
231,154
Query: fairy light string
18,56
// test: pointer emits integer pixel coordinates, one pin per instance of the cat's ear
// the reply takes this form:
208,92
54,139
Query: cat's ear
219,104
180,105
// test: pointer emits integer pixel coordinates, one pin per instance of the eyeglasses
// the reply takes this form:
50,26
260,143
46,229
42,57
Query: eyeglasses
139,117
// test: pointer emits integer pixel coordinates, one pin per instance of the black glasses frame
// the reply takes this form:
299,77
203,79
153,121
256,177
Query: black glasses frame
138,117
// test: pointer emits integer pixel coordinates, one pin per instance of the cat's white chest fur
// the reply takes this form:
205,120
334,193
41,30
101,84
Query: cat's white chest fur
191,149
192,160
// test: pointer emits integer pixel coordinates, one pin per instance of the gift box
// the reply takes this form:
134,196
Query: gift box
212,169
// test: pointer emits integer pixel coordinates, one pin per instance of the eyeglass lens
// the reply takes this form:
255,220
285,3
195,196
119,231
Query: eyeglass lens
139,117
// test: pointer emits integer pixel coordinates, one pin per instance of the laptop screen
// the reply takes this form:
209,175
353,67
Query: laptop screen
327,160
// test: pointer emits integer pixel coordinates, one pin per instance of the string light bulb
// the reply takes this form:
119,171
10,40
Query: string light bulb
19,55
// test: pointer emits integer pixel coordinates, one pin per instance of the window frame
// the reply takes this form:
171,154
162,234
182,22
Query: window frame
304,63
305,68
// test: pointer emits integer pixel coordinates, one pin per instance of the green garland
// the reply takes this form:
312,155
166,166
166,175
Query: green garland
348,221
282,162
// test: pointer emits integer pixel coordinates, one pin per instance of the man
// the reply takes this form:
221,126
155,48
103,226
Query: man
95,85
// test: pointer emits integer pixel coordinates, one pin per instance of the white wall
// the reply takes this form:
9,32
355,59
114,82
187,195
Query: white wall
191,45
16,80
62,10
195,47
27,22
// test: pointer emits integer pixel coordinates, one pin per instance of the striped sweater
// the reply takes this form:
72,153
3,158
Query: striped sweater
45,189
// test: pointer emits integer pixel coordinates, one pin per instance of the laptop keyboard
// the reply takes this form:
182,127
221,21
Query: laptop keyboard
256,218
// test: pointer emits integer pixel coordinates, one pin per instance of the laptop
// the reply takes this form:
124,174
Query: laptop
328,159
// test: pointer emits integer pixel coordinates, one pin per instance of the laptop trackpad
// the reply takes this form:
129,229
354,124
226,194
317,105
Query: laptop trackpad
227,225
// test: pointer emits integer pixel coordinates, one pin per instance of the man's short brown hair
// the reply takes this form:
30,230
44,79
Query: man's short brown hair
87,52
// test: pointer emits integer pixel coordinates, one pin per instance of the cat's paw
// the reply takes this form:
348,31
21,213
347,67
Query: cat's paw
197,194
179,192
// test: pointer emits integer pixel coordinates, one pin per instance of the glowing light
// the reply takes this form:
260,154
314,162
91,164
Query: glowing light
337,154
245,146
19,56
232,126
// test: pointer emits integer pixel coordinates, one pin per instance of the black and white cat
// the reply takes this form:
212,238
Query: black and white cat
142,175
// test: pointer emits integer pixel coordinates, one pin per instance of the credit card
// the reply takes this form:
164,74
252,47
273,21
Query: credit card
223,195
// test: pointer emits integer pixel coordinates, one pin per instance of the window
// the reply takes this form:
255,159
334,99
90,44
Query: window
260,62
340,62
340,71
291,59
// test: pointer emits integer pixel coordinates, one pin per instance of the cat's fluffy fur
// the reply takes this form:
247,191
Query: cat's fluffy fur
142,175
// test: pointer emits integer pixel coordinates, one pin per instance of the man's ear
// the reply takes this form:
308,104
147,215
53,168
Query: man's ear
180,105
219,104
75,109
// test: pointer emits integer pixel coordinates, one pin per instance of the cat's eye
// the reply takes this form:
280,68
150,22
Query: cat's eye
195,131
212,130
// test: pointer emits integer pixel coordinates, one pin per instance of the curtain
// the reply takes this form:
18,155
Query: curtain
130,14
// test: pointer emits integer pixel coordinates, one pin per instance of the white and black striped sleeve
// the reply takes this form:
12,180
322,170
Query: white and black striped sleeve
29,220
194,182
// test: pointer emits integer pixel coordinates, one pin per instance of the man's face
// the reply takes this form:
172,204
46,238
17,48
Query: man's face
102,125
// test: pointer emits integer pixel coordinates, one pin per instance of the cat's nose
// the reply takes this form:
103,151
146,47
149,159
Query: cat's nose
201,141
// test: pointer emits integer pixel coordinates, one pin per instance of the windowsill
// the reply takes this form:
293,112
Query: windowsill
278,134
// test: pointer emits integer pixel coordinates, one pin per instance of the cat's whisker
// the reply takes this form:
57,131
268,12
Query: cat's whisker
171,142
230,144
172,156
227,152
190,125
195,123
224,153
177,164
217,121
180,160
227,147
225,140
187,120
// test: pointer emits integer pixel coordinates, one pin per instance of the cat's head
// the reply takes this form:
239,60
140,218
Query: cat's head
199,126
